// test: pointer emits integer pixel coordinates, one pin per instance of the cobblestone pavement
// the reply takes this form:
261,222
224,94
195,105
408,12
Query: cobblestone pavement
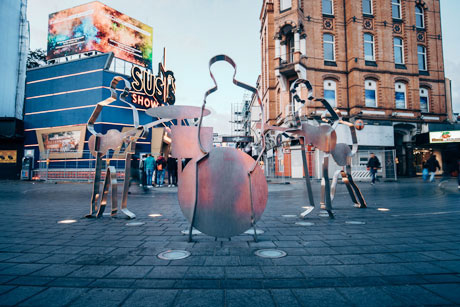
406,255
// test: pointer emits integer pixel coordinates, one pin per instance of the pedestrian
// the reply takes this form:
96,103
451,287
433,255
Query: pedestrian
134,176
149,167
425,171
433,166
172,171
372,166
160,167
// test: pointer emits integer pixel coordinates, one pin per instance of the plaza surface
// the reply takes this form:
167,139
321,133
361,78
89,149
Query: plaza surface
406,253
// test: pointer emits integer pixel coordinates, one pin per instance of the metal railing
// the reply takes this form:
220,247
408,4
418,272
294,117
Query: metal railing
75,169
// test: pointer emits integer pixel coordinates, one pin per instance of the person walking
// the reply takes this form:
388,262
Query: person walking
172,171
160,167
149,167
432,165
372,166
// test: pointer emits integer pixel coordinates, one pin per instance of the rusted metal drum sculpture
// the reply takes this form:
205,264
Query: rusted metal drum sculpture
221,191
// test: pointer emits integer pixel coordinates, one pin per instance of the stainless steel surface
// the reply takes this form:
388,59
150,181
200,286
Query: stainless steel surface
270,253
174,255
177,112
223,205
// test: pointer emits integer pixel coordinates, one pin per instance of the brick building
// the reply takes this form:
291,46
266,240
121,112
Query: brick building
378,60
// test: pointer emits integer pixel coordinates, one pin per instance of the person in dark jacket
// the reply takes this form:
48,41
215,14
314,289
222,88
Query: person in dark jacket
372,166
172,171
432,165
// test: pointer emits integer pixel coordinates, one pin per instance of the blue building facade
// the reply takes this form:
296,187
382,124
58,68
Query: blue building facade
65,94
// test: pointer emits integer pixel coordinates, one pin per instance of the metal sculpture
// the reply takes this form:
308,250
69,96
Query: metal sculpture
99,144
324,138
221,191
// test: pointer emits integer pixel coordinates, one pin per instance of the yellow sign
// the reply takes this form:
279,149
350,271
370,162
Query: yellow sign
8,156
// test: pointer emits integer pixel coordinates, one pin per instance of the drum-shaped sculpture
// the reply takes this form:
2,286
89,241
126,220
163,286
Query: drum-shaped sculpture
223,208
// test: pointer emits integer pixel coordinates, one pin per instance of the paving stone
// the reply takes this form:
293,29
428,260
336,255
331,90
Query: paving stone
93,271
243,272
55,297
205,272
450,292
17,295
102,297
189,298
320,297
368,296
414,295
243,298
129,272
284,297
148,297
168,272
23,269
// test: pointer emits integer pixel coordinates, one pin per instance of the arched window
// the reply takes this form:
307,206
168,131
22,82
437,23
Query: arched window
329,47
369,51
421,52
285,5
370,89
419,17
328,7
290,47
396,9
424,100
398,50
330,91
367,7
400,95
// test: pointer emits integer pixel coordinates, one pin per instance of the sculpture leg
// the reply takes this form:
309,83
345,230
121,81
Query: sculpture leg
326,188
307,180
253,215
124,200
334,183
196,196
110,181
349,188
362,202
96,186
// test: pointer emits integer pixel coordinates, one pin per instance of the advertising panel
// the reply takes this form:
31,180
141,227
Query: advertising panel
8,156
445,137
62,142
97,27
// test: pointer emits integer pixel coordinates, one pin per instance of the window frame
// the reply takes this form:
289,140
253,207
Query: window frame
403,90
427,96
422,14
370,85
286,8
372,44
398,4
425,60
332,87
401,48
332,7
370,7
331,43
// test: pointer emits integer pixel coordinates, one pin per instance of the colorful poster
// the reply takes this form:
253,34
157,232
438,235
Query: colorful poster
8,156
65,142
97,27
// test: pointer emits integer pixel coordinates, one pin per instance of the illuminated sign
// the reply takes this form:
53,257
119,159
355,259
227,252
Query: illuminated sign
8,156
152,91
445,137
97,27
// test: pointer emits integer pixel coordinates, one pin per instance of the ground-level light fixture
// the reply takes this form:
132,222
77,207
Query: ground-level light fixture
67,221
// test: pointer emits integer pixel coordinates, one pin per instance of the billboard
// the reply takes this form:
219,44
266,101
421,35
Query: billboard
445,137
97,27
62,142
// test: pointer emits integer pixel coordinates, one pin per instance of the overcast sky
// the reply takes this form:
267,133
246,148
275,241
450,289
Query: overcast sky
195,30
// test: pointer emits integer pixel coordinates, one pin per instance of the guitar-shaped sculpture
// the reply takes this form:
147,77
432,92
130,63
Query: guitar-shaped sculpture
99,144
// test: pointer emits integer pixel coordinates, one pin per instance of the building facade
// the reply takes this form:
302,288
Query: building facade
376,60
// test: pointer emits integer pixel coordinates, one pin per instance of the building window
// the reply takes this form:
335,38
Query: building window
329,47
396,9
300,5
419,17
367,7
424,100
370,93
290,48
285,5
330,90
400,95
369,51
421,51
328,7
398,50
